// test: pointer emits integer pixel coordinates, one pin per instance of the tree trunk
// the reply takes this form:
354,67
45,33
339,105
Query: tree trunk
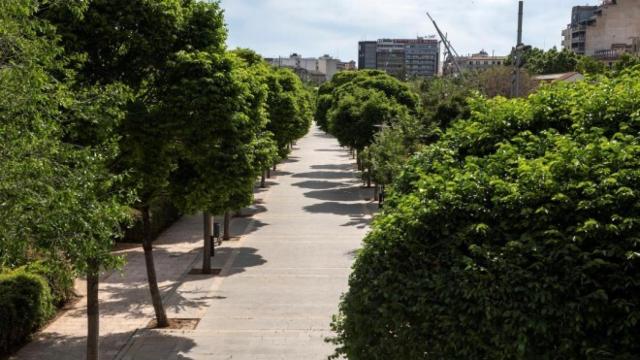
147,246
263,180
368,178
268,173
227,225
274,167
93,310
359,162
376,192
207,219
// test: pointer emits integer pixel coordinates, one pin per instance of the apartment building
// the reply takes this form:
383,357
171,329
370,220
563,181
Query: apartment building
606,31
316,70
575,34
475,62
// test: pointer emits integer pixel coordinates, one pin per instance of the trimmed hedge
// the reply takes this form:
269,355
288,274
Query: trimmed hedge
59,276
163,215
516,236
25,305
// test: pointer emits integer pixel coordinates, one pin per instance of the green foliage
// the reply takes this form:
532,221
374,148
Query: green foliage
202,94
124,40
589,65
552,61
513,237
392,147
626,61
59,276
25,305
43,170
355,104
290,108
444,100
325,96
357,116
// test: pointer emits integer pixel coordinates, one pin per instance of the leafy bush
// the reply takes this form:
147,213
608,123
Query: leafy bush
25,305
513,237
60,278
163,215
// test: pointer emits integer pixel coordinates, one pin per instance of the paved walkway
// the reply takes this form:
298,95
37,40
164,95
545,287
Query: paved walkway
279,286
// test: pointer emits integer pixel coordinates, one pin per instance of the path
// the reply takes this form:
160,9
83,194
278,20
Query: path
279,286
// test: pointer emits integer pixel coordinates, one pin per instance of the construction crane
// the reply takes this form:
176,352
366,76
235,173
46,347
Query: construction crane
448,46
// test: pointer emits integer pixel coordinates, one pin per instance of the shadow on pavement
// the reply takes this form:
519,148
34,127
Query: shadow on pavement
331,150
246,258
333,167
336,208
325,175
320,185
346,194
58,346
359,221
159,345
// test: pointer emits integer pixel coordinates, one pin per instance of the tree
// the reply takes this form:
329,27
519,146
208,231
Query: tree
538,61
359,115
132,42
498,81
589,65
393,146
252,71
46,167
325,96
290,110
512,237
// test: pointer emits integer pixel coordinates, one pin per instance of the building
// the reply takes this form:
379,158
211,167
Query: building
402,58
315,70
328,66
606,31
476,62
575,33
367,54
613,30
390,57
347,66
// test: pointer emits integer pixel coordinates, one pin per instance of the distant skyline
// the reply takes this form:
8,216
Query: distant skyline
313,28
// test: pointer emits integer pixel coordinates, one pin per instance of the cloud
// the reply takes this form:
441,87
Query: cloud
317,27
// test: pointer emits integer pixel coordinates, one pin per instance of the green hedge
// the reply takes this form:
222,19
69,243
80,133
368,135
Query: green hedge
25,305
516,236
163,215
59,276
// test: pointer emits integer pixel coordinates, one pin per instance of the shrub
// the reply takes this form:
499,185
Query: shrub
513,237
25,305
60,278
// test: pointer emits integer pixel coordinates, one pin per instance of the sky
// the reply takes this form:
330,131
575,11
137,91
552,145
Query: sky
313,28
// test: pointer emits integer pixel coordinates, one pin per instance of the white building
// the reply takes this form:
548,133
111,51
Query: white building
325,64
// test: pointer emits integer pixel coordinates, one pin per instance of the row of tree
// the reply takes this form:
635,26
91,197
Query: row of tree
511,227
553,61
111,105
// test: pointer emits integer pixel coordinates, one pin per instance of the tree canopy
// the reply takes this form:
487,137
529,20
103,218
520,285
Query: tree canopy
512,237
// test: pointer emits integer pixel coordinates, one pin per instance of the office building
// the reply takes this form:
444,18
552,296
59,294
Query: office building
367,54
402,58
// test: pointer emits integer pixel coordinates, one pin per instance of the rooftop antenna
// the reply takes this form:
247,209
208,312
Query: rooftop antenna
450,50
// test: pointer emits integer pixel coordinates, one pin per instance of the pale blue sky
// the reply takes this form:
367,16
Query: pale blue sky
316,27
